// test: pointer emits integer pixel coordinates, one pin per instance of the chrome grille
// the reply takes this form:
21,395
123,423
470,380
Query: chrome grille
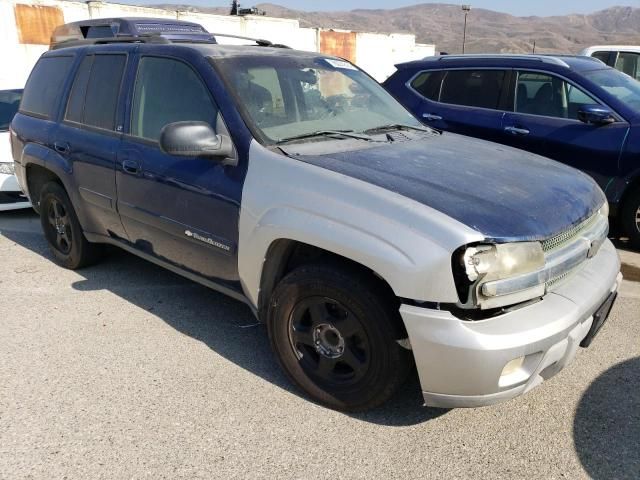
549,286
568,235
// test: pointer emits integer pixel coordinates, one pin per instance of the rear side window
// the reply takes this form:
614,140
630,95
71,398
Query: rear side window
627,62
428,84
168,91
96,88
603,56
474,88
44,86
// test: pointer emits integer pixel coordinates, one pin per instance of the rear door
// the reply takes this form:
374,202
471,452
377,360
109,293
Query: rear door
89,137
545,121
469,102
181,210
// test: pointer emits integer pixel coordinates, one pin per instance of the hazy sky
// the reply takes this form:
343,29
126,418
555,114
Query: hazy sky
522,8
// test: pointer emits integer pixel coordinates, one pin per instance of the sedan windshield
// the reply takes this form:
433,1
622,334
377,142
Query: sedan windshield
618,84
301,98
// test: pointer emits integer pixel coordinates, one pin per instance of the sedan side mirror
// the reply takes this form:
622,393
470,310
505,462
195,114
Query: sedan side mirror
193,140
595,115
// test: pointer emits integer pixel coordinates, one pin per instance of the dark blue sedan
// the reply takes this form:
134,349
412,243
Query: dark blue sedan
575,110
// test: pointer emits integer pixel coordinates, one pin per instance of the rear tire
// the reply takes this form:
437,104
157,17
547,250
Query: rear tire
335,332
62,229
631,218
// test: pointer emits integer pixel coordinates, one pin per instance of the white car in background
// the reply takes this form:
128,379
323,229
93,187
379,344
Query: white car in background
11,197
621,57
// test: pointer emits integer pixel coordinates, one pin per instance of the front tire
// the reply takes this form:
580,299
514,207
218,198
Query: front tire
631,218
63,231
335,332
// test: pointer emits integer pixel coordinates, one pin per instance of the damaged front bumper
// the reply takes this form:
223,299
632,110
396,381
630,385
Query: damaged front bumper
476,363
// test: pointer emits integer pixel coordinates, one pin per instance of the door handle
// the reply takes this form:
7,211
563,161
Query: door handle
430,117
522,132
61,147
130,166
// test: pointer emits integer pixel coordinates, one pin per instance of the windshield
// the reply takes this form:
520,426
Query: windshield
618,84
9,103
286,97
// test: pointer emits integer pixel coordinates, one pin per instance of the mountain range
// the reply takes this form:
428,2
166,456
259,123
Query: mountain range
487,31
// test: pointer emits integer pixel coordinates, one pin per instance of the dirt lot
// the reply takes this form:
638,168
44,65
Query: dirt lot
124,370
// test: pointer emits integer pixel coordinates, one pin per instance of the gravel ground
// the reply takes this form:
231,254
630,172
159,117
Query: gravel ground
124,370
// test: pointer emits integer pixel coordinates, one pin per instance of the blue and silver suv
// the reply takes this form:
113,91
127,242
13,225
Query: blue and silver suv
295,183
572,109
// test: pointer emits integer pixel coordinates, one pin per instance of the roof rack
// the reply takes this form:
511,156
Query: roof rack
555,60
138,30
259,41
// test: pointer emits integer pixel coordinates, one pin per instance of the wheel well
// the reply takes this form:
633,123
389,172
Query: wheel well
285,255
37,177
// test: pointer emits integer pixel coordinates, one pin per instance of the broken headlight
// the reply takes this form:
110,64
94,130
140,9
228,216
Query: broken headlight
495,262
488,263
7,168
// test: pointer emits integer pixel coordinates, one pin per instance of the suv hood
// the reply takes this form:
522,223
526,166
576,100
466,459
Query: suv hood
504,193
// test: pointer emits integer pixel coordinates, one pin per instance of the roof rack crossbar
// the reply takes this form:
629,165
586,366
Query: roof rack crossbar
146,38
259,41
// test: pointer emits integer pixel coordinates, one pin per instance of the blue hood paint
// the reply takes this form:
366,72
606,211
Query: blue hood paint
504,193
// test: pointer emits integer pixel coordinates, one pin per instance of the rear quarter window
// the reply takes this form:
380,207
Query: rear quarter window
9,102
45,84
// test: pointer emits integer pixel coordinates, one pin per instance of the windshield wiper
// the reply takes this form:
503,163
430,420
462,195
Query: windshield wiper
325,133
397,126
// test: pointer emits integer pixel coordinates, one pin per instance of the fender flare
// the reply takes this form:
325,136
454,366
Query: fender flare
393,263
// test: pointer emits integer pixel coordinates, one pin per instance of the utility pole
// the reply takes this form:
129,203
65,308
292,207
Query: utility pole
534,47
466,9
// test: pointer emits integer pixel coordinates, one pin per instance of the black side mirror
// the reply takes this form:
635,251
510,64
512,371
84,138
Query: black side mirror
595,115
194,139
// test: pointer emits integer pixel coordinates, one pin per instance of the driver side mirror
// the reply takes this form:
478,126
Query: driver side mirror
195,140
595,115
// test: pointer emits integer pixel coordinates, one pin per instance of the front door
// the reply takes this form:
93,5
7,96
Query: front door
546,122
178,209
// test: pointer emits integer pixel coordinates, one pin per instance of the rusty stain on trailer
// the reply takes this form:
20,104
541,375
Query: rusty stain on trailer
35,23
340,44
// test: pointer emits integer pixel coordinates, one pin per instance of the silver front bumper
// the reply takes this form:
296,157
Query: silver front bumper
460,363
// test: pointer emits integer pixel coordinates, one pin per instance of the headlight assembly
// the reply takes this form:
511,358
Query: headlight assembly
7,168
495,262
604,210
485,264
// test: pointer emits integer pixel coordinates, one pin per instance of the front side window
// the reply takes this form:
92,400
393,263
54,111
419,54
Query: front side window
285,96
474,88
168,91
549,96
44,87
9,103
96,88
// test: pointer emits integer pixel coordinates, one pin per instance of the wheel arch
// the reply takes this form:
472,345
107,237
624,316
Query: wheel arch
284,255
36,177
